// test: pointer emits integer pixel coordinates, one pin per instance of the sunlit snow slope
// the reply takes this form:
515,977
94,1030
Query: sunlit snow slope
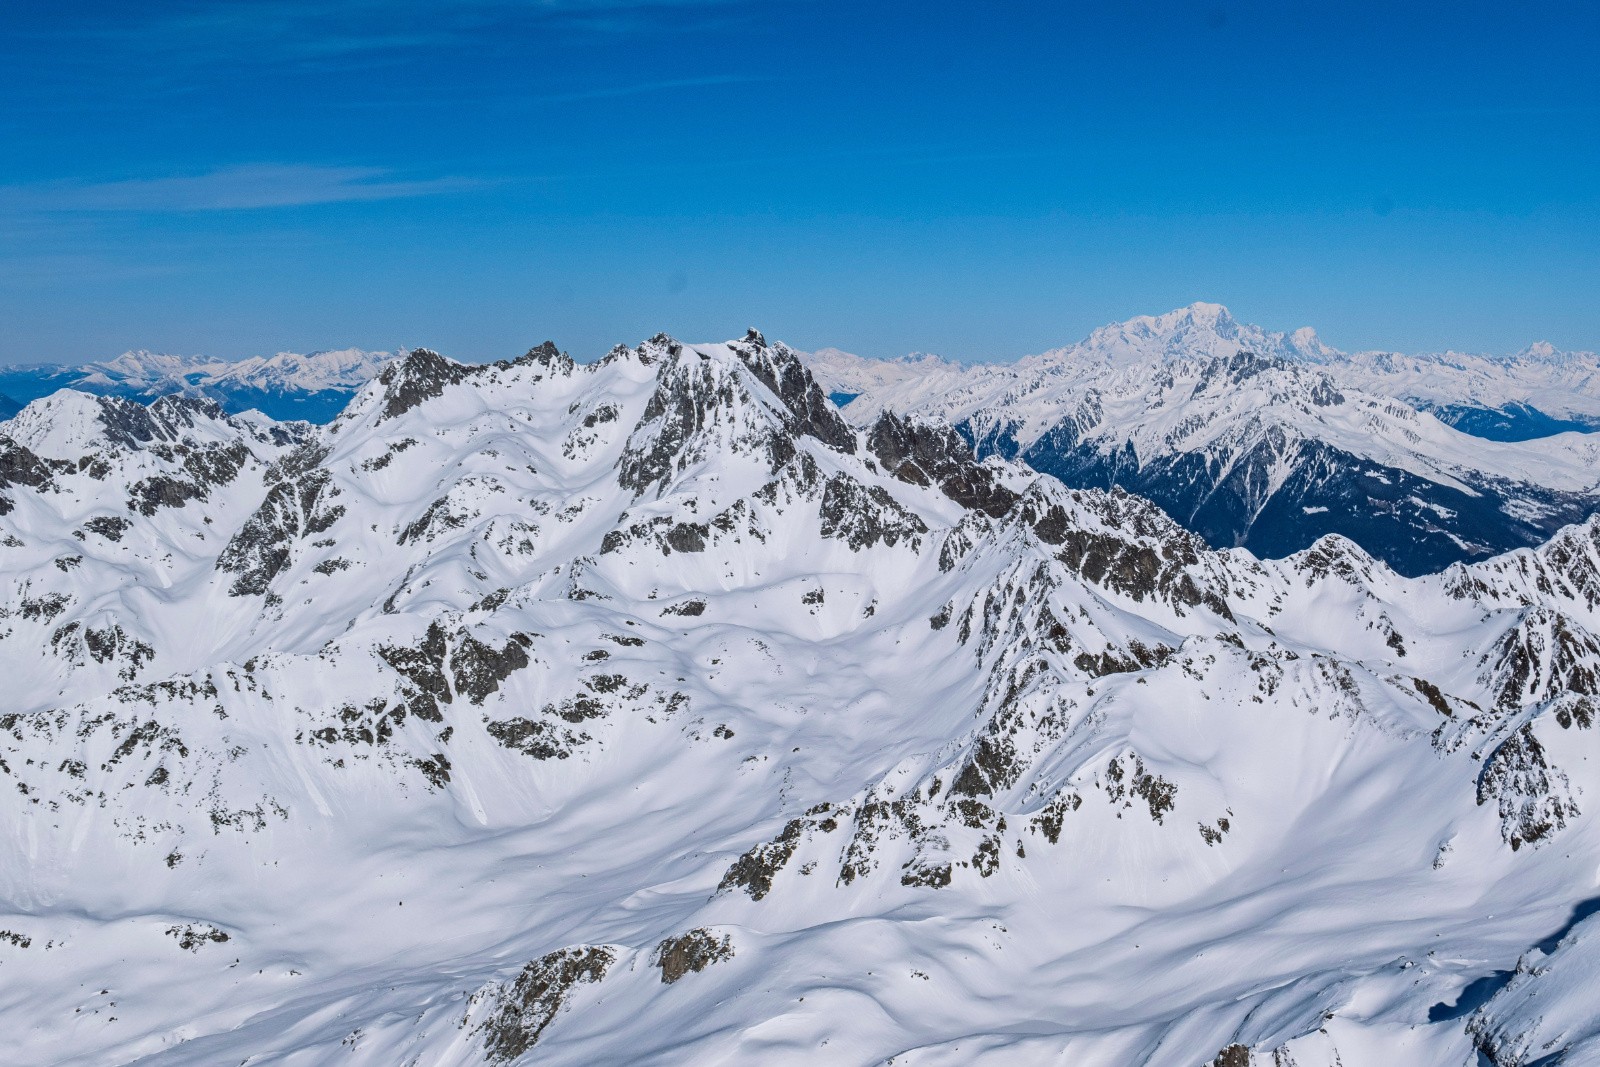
645,712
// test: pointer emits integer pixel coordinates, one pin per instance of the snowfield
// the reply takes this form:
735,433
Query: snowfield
646,712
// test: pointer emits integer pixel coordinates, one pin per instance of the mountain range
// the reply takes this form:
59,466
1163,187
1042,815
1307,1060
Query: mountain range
1537,392
289,385
1249,437
1272,477
648,711
1269,441
1533,393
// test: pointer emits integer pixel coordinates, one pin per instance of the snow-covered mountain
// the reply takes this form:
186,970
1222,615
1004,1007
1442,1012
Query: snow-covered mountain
1534,393
647,712
289,385
1248,437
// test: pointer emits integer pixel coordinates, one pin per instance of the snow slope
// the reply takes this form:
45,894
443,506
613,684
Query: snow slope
1251,438
646,712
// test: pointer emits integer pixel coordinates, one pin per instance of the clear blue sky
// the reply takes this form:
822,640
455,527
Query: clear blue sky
980,180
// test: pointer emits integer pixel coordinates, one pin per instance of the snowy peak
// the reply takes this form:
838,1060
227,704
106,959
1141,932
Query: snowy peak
341,369
1199,322
742,399
69,424
846,375
1535,393
1268,440
420,376
781,370
1200,330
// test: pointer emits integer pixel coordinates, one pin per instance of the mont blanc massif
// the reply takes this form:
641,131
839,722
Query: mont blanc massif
1191,695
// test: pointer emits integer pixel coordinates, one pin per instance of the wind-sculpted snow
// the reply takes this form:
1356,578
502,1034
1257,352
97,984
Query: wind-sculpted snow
1256,439
645,712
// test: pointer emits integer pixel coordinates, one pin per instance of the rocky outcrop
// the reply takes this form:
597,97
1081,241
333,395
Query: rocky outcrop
294,509
811,413
1534,799
924,453
511,1017
421,376
691,953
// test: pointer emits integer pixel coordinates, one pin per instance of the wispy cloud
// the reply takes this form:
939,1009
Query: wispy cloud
316,31
235,188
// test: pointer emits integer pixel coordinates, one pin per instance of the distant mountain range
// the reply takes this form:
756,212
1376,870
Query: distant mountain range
1537,392
1251,438
1269,441
313,387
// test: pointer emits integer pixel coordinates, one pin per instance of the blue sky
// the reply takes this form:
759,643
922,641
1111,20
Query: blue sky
978,180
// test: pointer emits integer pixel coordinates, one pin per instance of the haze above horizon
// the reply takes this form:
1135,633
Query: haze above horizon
977,182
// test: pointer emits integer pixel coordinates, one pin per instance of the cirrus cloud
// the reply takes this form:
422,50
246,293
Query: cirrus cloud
234,188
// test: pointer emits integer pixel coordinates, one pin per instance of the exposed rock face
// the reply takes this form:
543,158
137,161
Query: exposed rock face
422,375
863,516
753,871
422,665
811,414
480,668
690,953
1132,548
514,1016
19,466
1532,798
295,509
931,454
1232,1056
1543,656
